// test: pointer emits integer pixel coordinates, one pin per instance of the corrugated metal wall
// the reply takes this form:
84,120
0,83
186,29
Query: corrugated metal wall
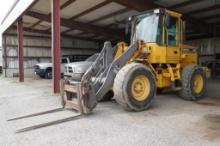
207,46
37,49
1,56
207,49
1,63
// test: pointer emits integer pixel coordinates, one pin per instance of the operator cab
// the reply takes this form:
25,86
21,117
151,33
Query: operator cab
160,29
159,26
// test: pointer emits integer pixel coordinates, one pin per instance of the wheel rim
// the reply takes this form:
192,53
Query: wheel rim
198,83
140,88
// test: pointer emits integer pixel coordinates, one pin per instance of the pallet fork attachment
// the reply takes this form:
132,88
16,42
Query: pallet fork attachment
73,102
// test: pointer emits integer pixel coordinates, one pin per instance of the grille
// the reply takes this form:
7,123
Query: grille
36,67
70,69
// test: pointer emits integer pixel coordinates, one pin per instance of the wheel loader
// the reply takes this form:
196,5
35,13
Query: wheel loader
156,59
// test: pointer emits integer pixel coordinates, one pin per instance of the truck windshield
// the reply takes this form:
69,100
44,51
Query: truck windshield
145,27
64,60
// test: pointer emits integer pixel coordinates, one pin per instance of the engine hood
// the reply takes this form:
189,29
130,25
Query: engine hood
79,64
44,65
78,67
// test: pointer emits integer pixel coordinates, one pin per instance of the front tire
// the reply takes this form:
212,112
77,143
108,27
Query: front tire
107,97
134,87
193,83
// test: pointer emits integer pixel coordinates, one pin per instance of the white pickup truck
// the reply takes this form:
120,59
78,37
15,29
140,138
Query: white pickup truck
44,70
76,70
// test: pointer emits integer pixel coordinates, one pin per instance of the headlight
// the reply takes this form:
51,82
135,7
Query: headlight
78,70
68,69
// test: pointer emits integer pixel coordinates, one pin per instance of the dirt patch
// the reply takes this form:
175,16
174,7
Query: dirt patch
212,124
210,101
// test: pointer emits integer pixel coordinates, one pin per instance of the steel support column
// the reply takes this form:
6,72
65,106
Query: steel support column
56,50
4,54
20,50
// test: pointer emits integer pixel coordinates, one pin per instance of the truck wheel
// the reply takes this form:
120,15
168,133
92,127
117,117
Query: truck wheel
134,87
193,83
41,76
108,96
48,74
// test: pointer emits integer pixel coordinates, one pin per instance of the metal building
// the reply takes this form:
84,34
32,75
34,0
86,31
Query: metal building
36,30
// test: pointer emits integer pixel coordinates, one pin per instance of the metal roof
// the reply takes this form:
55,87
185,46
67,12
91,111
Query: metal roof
109,15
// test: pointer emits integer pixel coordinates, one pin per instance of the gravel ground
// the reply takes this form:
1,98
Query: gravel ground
170,121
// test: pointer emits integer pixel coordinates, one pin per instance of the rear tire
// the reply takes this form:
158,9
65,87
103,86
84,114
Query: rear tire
193,83
48,74
134,87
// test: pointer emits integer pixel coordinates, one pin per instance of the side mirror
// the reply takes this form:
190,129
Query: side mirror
130,18
128,25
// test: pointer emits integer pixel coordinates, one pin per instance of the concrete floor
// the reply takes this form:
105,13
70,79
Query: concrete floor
170,121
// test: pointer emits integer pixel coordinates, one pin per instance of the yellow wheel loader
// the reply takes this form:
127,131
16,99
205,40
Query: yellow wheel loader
155,59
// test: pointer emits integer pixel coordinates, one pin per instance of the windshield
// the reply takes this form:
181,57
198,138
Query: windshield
145,27
92,58
64,60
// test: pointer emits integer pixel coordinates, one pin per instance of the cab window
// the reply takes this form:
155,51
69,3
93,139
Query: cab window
160,36
172,31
